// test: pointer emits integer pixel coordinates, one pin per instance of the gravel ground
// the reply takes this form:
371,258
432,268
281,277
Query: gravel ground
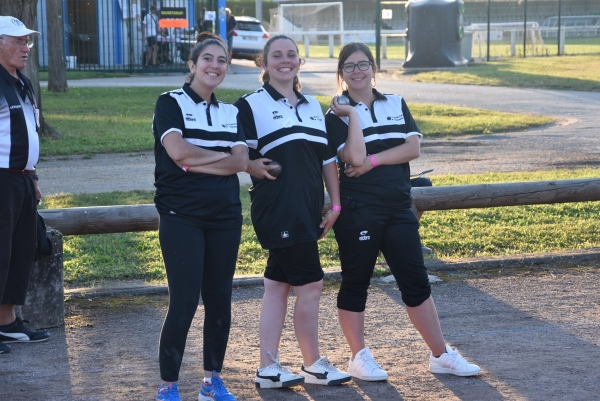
572,142
533,331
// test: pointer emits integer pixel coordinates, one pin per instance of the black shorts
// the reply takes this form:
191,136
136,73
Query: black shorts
361,232
151,40
296,265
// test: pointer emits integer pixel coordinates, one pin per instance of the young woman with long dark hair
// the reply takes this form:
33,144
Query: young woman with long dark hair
199,148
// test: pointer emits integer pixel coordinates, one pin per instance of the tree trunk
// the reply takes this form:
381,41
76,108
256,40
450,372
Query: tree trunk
57,80
26,11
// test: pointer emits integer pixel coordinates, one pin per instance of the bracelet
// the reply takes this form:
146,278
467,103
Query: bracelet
336,208
373,160
185,168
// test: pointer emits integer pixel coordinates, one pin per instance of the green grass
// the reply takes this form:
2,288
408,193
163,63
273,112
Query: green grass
106,120
573,46
500,48
86,74
452,234
568,72
395,49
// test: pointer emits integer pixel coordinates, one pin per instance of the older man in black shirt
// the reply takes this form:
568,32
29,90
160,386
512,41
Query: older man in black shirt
19,154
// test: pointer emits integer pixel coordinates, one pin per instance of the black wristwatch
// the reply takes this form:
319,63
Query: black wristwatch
34,177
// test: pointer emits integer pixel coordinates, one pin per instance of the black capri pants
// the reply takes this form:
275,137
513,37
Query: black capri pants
361,232
198,261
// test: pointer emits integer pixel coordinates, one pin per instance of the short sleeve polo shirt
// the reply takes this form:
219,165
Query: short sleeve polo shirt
206,200
286,211
386,125
19,141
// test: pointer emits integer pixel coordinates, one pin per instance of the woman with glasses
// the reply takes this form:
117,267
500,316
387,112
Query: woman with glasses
375,138
281,124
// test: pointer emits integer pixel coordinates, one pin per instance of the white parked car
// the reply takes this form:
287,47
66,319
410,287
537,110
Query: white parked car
249,37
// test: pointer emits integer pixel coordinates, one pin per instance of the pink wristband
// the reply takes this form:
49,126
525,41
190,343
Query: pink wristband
336,208
373,160
185,168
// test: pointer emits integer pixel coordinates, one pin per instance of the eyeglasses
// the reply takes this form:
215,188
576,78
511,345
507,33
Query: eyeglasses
362,65
20,43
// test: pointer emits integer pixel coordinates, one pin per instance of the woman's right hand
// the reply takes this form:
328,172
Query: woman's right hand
339,110
259,169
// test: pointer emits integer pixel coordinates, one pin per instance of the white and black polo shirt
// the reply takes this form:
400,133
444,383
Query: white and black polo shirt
286,211
19,141
386,125
211,201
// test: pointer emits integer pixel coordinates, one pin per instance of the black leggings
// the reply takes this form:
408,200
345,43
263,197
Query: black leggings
198,261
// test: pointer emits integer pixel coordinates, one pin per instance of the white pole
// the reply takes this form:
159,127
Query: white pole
258,10
330,45
306,46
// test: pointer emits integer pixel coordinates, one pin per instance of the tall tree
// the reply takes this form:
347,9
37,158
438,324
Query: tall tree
57,79
26,11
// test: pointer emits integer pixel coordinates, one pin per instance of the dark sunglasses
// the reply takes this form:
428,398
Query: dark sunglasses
362,65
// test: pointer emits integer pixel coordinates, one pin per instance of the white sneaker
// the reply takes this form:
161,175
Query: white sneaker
364,367
323,372
276,375
453,363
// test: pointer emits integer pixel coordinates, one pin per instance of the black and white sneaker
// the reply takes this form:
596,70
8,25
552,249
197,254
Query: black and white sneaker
276,375
17,332
4,348
323,372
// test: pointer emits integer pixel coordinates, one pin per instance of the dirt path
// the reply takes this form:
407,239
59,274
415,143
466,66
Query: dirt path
534,332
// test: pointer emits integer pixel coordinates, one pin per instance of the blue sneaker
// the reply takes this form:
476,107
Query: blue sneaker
215,391
168,392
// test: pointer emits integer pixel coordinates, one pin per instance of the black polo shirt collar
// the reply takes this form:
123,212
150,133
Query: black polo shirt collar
378,96
197,98
278,96
9,78
19,83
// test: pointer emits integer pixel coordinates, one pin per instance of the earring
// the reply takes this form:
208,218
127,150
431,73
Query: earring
373,82
342,85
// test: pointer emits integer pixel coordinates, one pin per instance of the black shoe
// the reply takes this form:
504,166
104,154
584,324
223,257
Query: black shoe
4,348
17,332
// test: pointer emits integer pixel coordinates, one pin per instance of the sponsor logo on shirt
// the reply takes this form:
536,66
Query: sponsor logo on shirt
189,117
276,115
316,118
285,234
396,118
229,125
18,106
364,236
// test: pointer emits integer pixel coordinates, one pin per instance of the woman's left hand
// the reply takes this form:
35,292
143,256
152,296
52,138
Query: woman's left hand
341,110
360,170
328,222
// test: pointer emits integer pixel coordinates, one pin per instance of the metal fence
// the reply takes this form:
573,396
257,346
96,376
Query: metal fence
106,35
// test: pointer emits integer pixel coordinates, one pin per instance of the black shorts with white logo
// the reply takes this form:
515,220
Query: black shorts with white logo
296,265
362,231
